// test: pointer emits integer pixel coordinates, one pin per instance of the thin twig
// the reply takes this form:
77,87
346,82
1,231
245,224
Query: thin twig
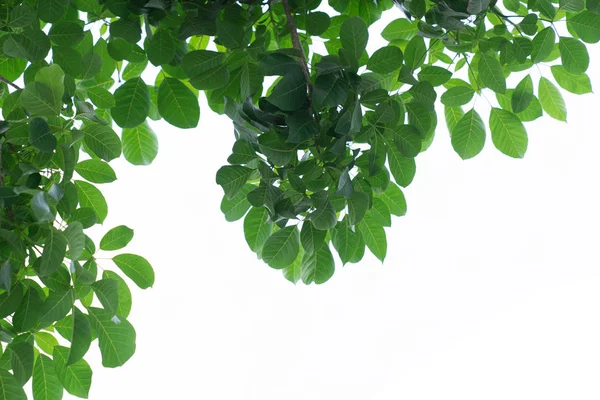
3,79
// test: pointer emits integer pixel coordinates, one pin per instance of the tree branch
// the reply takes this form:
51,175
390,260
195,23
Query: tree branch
3,79
297,44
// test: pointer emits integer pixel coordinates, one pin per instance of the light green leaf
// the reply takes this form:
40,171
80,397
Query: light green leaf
435,75
91,197
75,378
140,144
587,25
415,53
394,199
543,43
508,133
491,73
95,171
468,136
457,96
571,5
374,236
399,29
551,99
102,141
385,60
317,267
46,385
574,55
577,84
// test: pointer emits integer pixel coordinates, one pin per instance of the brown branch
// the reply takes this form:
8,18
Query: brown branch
297,44
3,79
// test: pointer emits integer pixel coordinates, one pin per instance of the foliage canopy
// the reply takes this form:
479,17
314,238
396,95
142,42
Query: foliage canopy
326,136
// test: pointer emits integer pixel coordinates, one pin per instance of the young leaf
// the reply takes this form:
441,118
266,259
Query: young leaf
551,99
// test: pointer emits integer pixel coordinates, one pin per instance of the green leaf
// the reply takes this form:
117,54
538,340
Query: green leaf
82,335
236,207
11,390
385,60
116,238
457,96
160,48
9,302
317,23
177,104
102,141
491,74
75,378
345,240
21,16
474,7
571,5
586,25
214,78
125,301
257,228
577,84
46,385
27,315
522,96
115,339
354,36
140,144
290,92
75,239
394,199
508,133
357,207
435,75
317,267
415,53
302,126
293,272
91,197
45,341
551,99
230,34
137,268
198,62
40,135
66,33
101,97
403,168
31,44
54,252
329,91
543,43
232,178
574,55
281,248
311,238
408,140
399,29
468,136
21,360
95,171
324,216
374,236
132,103
56,306
107,292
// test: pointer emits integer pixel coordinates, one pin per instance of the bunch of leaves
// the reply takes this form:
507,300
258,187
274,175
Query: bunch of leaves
326,136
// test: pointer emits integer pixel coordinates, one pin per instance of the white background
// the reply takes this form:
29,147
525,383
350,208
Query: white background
489,290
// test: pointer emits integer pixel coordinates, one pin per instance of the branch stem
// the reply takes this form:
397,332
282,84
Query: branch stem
3,79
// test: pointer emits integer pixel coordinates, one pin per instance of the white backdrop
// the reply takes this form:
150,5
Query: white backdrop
489,291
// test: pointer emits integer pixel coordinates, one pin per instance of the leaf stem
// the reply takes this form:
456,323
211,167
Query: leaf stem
3,79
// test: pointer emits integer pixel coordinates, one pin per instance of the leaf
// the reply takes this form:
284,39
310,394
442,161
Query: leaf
302,126
177,104
551,99
457,96
317,267
46,385
374,236
385,60
27,315
324,216
132,103
66,33
232,178
290,92
415,52
214,78
11,390
354,36
75,239
91,197
54,252
508,133
394,199
408,140
81,337
137,268
345,240
107,292
56,306
160,48
236,207
102,141
101,97
40,135
577,84
10,301
329,91
115,339
21,360
357,207
399,29
403,168
586,25
468,136
574,55
317,23
522,95
140,144
96,171
75,378
281,248
257,228
474,7
125,302
311,238
543,43
491,74
199,61
571,5
116,238
31,44
45,341
435,75
293,272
